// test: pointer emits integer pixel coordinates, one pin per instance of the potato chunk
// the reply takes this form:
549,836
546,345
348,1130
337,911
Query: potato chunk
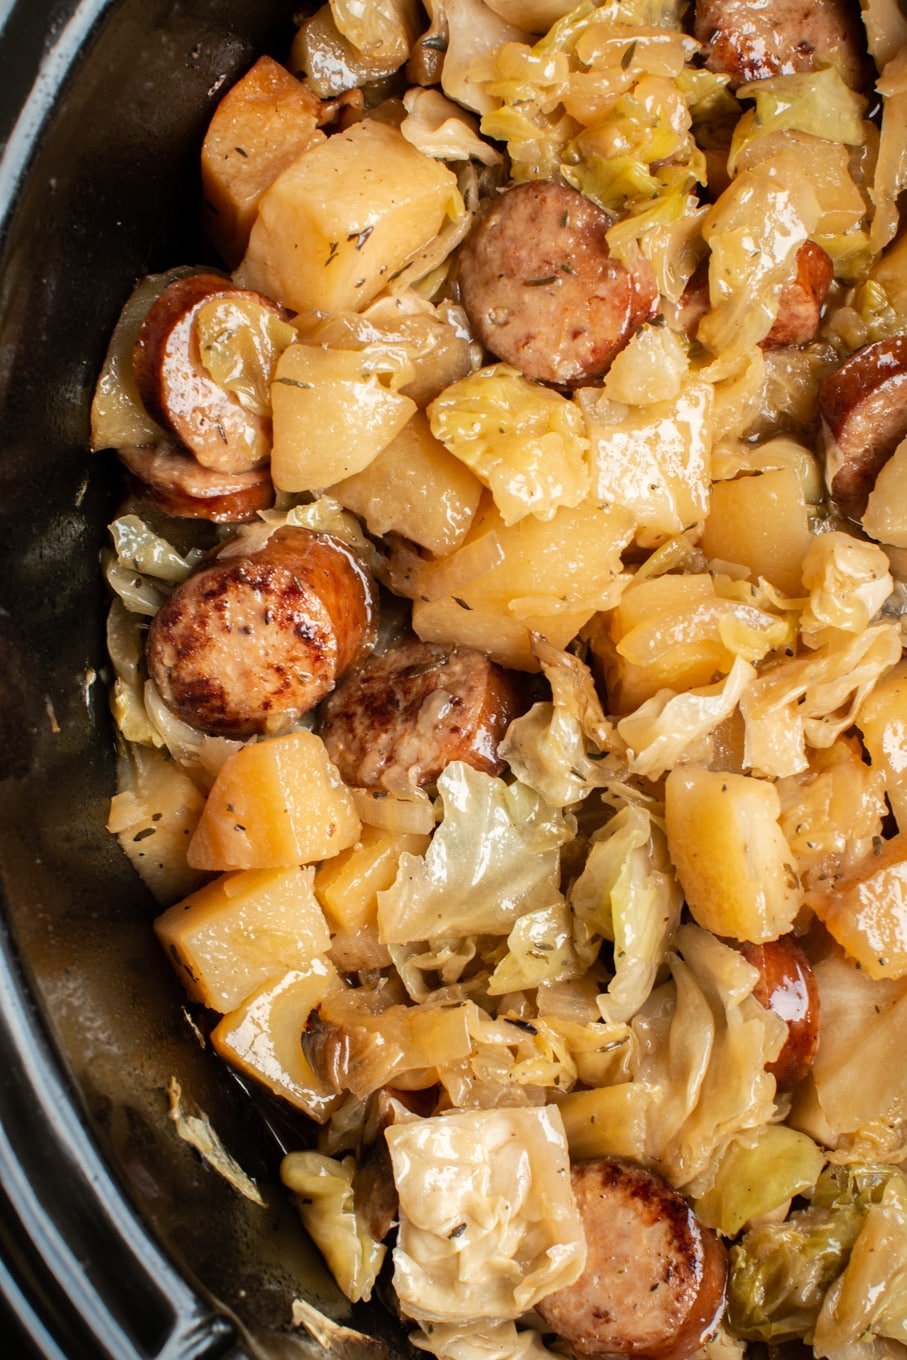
867,912
734,864
262,1038
232,935
274,804
336,226
760,522
332,416
264,124
883,723
348,886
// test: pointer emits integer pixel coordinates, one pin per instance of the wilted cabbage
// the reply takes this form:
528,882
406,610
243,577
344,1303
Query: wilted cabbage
493,857
818,102
384,31
154,812
146,566
523,440
627,893
891,166
540,948
848,582
488,1225
757,1173
438,127
322,1190
488,1341
870,1296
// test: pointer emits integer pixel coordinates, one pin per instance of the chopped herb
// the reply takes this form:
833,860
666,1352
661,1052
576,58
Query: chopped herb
461,603
436,42
240,152
334,247
877,845
540,283
565,218
220,430
525,1025
292,382
568,269
237,826
144,833
360,237
628,56
458,1231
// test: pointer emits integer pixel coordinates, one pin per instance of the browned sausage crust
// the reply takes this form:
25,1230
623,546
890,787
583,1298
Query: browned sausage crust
778,37
654,1281
540,287
800,304
415,708
864,417
177,388
251,643
787,986
176,483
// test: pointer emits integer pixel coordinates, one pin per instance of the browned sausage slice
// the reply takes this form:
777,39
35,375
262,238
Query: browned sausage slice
778,37
412,710
177,484
800,304
540,287
251,643
177,388
787,986
864,417
653,1286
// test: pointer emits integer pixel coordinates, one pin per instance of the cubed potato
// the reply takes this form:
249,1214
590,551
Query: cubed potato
608,1122
415,488
335,227
262,1038
867,912
882,720
502,637
232,935
760,523
260,127
332,417
348,886
885,517
734,864
274,804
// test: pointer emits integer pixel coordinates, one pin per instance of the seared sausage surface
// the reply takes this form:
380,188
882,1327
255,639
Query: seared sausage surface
653,1286
177,388
864,417
540,287
800,304
177,483
251,643
415,708
787,986
778,37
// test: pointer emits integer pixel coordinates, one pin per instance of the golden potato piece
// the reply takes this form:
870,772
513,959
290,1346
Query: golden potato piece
760,523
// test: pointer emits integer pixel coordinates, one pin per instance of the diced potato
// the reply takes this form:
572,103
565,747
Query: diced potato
232,935
608,1122
653,460
503,639
832,812
274,804
414,488
882,720
335,227
734,864
867,912
885,517
260,127
332,417
760,523
348,888
262,1038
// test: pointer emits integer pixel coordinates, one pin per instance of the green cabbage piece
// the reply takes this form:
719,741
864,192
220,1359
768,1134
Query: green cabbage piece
756,1174
781,1272
818,102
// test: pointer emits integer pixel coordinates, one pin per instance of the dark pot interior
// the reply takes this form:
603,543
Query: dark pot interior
115,1238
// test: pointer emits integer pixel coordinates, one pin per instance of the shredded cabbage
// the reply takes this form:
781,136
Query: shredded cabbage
322,1190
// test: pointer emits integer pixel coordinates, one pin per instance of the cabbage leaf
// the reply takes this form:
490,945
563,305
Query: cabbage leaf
322,1190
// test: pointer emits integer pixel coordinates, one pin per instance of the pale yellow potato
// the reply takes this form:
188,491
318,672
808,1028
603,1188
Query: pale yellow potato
867,912
232,935
260,127
414,488
348,886
261,1038
335,227
760,522
882,720
332,417
885,517
733,861
274,804
504,639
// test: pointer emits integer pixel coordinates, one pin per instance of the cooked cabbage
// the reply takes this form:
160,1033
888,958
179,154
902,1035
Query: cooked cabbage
540,948
848,582
153,814
817,102
322,1190
488,1225
870,1296
627,893
758,1173
239,343
524,441
891,166
474,33
493,858
438,127
489,1341
385,30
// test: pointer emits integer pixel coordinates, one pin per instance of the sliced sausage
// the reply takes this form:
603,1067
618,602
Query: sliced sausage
778,37
800,304
415,708
787,986
863,406
654,1281
177,388
251,643
176,483
540,287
